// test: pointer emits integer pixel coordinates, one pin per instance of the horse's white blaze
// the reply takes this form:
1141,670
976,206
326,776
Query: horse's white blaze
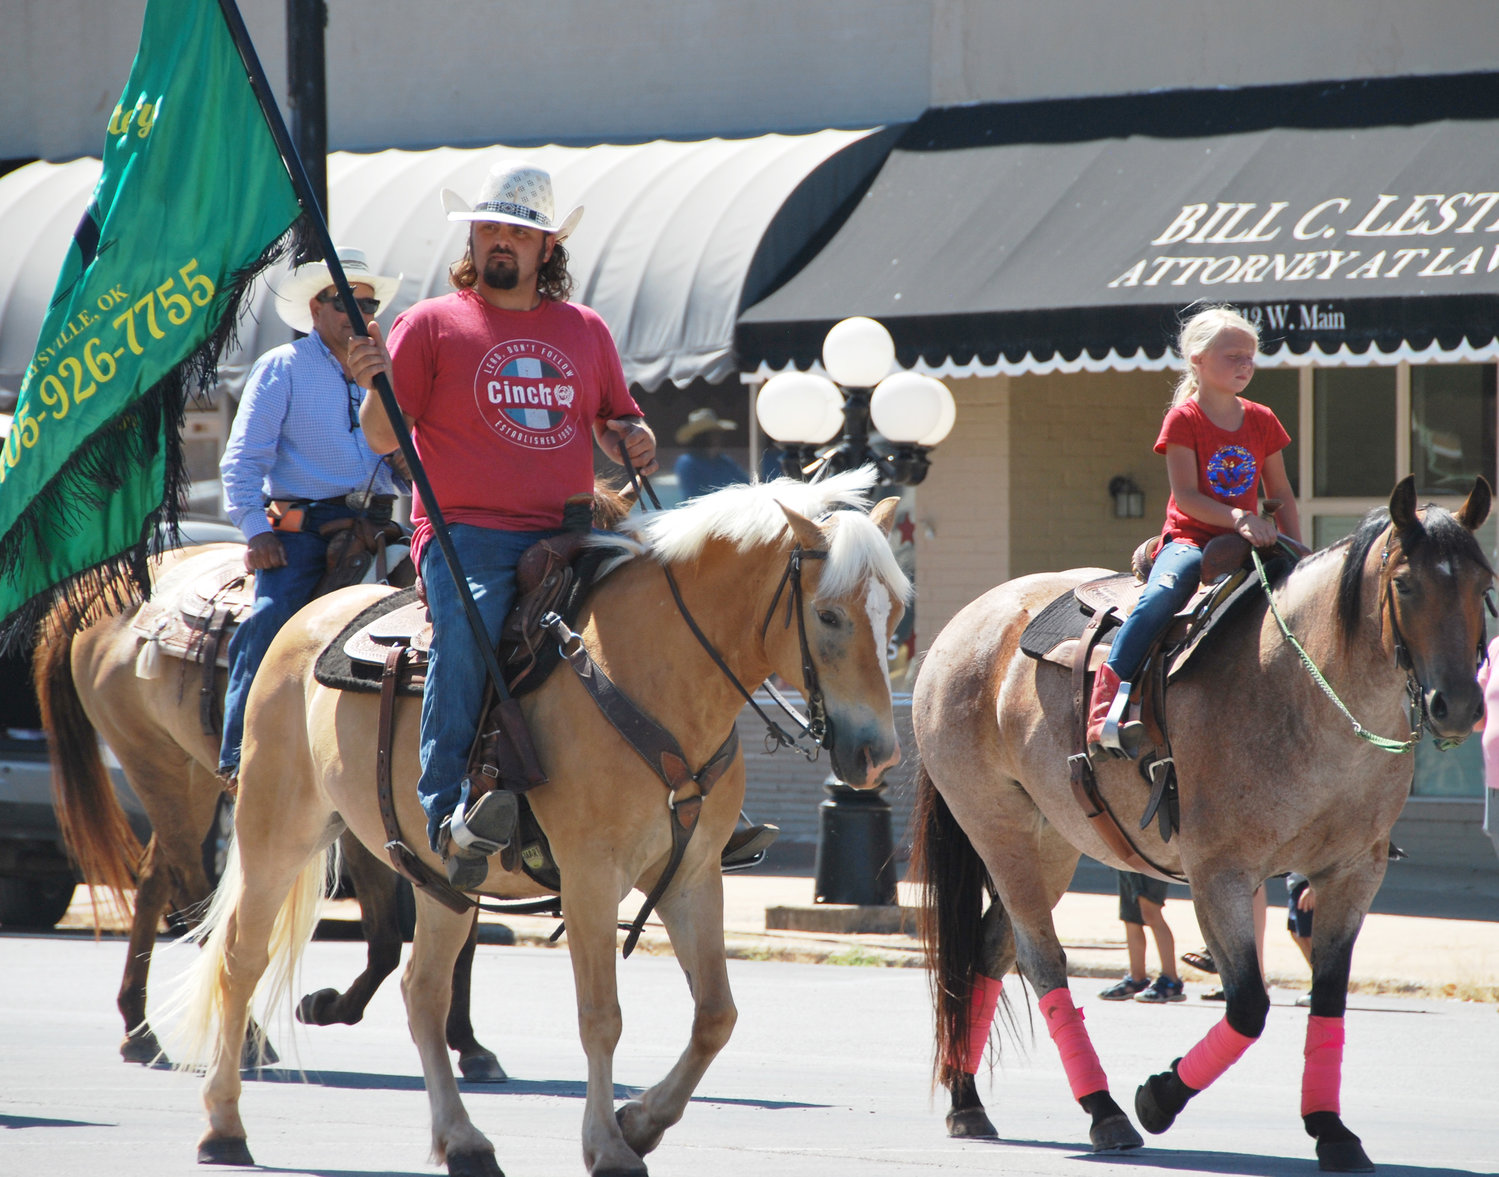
877,605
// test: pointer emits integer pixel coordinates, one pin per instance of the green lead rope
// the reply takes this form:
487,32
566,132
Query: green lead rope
1381,742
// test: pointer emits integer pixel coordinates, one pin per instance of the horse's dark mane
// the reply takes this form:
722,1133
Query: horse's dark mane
1440,536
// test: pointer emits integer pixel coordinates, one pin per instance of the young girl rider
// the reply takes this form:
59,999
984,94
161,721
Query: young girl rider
1219,447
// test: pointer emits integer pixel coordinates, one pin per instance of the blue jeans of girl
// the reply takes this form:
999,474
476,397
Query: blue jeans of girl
455,675
1173,579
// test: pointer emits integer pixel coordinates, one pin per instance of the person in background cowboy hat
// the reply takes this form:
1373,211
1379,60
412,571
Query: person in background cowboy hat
295,456
704,467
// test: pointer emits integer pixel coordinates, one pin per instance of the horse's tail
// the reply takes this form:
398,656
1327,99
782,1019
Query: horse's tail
93,825
193,1012
954,883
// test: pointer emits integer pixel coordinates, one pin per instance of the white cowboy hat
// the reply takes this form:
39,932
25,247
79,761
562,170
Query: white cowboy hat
295,291
703,421
514,193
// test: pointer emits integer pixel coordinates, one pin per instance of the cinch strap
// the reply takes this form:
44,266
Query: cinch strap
1218,1051
981,1005
1064,1021
1322,1076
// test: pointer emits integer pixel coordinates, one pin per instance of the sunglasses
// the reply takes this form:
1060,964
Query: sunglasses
367,306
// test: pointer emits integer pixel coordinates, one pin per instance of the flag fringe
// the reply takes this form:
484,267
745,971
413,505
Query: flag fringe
85,482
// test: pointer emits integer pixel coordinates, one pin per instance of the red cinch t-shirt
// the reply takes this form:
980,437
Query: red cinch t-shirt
1230,463
503,405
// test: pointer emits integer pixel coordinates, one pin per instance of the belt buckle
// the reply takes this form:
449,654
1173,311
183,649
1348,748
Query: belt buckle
358,500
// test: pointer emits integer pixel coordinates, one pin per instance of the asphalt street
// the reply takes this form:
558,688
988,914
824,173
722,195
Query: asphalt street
827,1075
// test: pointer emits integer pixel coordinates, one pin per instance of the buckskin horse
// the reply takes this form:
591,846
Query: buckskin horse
88,686
775,579
1271,778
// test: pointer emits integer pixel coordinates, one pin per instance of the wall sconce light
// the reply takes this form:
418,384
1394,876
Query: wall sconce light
1129,499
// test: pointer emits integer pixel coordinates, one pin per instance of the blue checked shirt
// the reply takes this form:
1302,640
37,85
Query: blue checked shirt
293,438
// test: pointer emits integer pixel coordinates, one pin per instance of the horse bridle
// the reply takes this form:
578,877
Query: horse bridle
815,724
1414,687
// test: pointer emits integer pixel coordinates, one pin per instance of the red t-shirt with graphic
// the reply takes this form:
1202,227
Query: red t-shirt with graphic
1230,463
503,405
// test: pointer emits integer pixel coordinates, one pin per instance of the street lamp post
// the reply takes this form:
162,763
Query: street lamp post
864,414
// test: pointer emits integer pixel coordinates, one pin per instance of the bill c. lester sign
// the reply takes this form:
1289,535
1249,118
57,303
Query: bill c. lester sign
1389,245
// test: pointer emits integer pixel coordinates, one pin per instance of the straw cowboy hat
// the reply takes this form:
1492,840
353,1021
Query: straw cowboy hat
295,291
514,193
701,421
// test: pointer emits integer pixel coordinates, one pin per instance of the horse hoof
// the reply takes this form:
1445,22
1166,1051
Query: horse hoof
1154,1118
140,1046
225,1150
971,1123
639,1132
474,1164
312,1010
253,1056
482,1066
1343,1156
1115,1134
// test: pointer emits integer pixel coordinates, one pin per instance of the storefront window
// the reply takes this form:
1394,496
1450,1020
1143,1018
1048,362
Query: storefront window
1452,426
1278,390
1328,529
1354,432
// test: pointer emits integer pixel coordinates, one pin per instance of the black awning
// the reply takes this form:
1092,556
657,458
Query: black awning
1343,217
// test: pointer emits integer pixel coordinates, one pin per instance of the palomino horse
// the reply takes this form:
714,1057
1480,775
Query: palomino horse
1271,777
309,768
87,684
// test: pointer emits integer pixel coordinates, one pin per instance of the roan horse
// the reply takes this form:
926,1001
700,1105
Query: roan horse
1271,779
309,770
87,685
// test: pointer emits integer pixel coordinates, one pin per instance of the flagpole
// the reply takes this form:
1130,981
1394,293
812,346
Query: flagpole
309,202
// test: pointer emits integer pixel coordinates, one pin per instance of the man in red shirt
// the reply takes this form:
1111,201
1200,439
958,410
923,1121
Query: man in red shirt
506,387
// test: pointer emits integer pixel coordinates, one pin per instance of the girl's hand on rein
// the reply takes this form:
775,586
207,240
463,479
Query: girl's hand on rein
1257,530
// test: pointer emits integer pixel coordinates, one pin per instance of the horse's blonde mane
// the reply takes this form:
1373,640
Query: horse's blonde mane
750,516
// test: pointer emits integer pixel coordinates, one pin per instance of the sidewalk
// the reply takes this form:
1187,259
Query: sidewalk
1394,955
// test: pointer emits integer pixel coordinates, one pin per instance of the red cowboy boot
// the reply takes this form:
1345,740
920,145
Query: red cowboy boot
1107,731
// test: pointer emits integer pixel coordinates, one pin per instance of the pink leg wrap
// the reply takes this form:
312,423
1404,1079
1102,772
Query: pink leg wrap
1218,1051
1065,1023
981,1006
1322,1077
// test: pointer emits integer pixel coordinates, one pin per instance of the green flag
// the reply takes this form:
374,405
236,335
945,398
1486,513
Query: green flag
192,202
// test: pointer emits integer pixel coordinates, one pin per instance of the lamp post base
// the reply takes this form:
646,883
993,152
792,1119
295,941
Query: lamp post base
855,850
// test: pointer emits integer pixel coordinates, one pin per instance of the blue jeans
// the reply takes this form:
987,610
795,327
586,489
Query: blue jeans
455,674
279,592
1173,579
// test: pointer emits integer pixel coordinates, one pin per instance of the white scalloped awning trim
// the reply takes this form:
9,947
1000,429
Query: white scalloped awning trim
1141,361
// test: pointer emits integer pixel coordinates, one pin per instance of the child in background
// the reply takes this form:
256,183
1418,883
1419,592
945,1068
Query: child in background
1141,899
1489,681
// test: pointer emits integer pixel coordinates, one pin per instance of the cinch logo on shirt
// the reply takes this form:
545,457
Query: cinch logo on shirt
1231,471
524,391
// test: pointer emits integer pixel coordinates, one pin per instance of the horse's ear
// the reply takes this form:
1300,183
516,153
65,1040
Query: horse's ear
883,515
1475,508
1403,503
807,533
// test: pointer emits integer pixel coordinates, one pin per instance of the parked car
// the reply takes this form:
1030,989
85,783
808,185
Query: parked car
37,879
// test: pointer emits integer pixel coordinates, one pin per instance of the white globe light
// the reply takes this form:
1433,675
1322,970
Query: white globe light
795,407
907,406
858,353
945,422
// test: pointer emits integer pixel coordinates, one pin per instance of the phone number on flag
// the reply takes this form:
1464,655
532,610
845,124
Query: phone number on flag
77,379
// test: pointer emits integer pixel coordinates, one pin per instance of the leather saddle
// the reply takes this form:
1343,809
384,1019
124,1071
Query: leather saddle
195,606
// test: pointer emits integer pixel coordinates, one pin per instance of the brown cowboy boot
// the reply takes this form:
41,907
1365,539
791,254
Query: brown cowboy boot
1107,731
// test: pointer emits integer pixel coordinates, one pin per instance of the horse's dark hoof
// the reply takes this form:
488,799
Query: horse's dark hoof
971,1123
1153,1117
639,1131
1343,1156
481,1066
313,1009
474,1164
1115,1134
225,1150
254,1055
140,1046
